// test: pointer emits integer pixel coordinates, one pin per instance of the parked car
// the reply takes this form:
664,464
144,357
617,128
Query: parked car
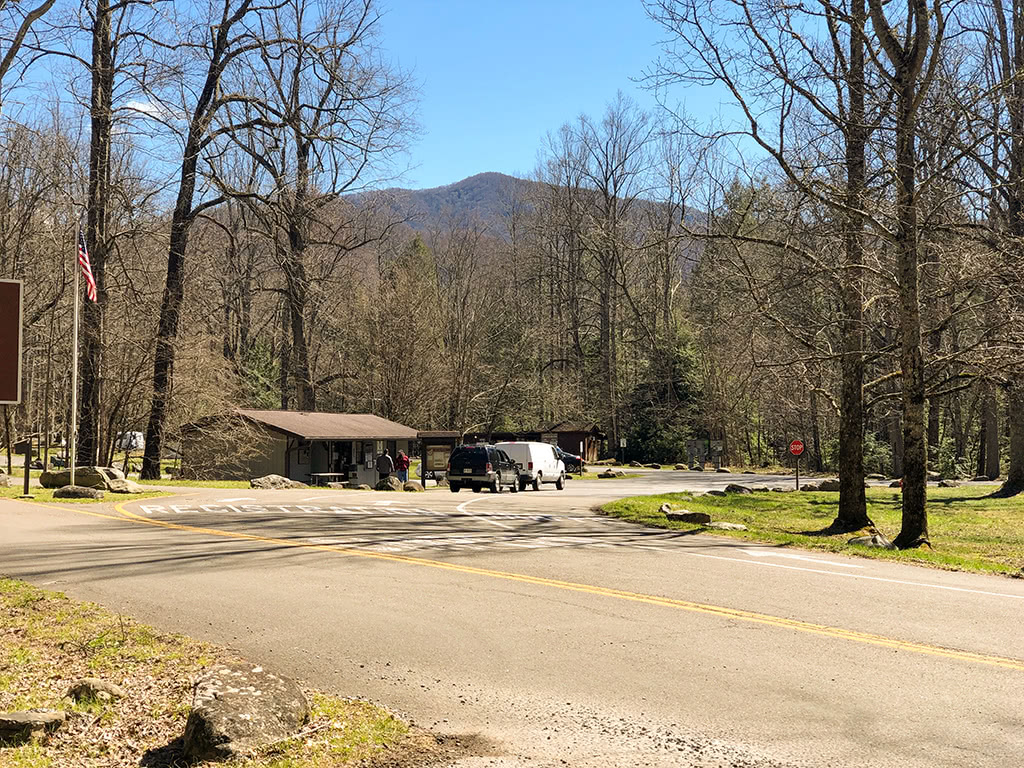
573,463
481,466
539,463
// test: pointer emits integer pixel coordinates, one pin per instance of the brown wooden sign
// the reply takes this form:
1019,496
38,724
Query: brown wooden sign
10,341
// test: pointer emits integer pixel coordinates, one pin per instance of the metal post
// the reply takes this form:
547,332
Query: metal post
798,472
73,457
28,464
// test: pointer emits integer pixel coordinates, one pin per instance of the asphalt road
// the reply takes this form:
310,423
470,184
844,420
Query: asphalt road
558,636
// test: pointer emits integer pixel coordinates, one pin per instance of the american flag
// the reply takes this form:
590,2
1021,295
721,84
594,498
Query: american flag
83,262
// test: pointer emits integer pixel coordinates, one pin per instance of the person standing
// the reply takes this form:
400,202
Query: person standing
402,466
385,464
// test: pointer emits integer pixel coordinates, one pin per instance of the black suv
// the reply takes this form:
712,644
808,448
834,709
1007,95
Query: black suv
481,466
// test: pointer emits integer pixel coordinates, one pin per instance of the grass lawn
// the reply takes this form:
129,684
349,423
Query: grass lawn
968,531
46,495
51,640
178,483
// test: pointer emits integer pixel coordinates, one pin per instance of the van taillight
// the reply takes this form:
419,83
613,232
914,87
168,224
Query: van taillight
489,468
529,465
449,465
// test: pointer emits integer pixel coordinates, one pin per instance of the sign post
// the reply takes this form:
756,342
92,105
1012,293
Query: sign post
10,341
796,448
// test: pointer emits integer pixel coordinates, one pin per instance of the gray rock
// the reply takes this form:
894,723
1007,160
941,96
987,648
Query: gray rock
654,466
77,492
714,492
389,483
948,484
762,489
734,488
93,688
116,485
686,516
680,466
726,526
875,476
5,480
275,482
360,487
749,472
339,486
982,479
239,707
607,474
876,540
20,727
828,485
724,470
783,489
442,482
635,464
896,484
412,485
810,487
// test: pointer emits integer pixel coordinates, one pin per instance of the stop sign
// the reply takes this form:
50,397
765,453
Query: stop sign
796,447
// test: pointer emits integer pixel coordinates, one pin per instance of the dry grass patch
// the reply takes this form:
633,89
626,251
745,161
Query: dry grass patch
48,640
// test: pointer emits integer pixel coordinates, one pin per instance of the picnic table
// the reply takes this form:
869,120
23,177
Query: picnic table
323,478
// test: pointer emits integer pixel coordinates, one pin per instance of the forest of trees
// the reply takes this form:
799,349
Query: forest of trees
835,257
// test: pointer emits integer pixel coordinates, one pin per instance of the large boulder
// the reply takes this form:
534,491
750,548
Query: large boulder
810,487
949,484
724,470
19,727
239,707
654,465
389,483
124,486
828,485
275,482
734,488
77,492
412,485
87,477
680,466
5,480
714,492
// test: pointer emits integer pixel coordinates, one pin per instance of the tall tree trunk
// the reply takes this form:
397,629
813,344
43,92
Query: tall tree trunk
1015,410
852,513
101,120
181,220
914,529
990,421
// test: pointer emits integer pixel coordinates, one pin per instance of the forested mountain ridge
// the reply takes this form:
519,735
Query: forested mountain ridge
484,197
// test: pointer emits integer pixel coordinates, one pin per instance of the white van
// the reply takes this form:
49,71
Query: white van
538,463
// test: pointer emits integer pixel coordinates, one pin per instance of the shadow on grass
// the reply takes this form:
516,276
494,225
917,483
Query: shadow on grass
170,755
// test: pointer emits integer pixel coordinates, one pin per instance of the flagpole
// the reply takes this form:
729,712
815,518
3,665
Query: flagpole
74,370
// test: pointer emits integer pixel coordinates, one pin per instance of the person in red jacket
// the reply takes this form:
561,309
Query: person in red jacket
402,466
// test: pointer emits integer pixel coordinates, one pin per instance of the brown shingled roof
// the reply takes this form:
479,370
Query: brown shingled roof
330,426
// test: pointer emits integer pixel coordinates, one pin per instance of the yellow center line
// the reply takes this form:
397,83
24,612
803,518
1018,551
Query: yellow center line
823,630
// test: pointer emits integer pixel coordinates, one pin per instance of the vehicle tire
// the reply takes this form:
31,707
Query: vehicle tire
522,484
496,485
560,482
515,486
477,489
455,487
536,482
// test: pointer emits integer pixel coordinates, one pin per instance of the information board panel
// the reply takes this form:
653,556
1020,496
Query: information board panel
10,341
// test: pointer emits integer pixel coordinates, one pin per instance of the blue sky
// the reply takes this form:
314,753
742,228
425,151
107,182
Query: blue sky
497,75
